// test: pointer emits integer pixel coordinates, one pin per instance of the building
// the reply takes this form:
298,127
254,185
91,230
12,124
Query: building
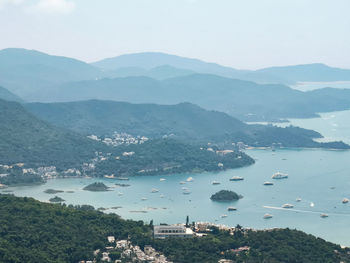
164,231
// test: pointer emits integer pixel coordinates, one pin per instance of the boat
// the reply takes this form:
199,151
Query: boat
287,206
161,196
236,178
189,179
215,182
312,204
143,198
182,182
298,199
268,183
120,193
267,216
186,192
345,200
323,215
154,190
122,178
279,175
231,208
162,179
223,216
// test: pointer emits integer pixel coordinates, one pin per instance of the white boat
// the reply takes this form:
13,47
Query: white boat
298,199
223,216
186,192
189,179
236,178
122,178
268,183
279,175
312,204
162,179
267,216
231,208
161,196
345,200
287,206
182,182
154,190
323,215
143,198
215,182
120,193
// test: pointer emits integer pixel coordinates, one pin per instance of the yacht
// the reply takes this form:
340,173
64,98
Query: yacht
223,216
215,182
345,200
267,216
279,175
154,190
161,196
120,193
287,206
236,178
162,179
182,182
298,199
323,215
312,204
186,192
189,179
122,178
143,199
231,208
268,183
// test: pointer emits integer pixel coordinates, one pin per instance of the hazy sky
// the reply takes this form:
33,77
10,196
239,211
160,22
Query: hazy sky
238,33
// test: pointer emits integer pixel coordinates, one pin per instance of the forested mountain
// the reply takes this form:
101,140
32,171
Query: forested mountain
32,231
26,139
27,71
185,121
242,99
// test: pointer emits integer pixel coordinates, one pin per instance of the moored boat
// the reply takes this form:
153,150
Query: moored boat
231,208
268,183
287,206
279,175
267,216
236,178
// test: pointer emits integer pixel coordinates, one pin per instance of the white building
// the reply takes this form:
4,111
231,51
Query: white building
164,231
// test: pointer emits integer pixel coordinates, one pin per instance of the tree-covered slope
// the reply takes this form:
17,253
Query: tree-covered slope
31,231
26,139
185,121
7,95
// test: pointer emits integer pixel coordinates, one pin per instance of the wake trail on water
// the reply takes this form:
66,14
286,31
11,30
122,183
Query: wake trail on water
303,211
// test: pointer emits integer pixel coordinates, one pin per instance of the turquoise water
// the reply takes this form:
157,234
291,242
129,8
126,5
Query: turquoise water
318,176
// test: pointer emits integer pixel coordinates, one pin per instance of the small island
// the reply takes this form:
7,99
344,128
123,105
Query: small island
96,187
56,199
53,191
225,196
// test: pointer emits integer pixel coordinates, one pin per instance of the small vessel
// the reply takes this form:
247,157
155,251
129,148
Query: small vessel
161,196
312,204
120,193
122,178
223,216
323,215
268,183
231,208
345,200
189,179
182,182
154,190
215,182
287,206
162,179
279,175
236,178
267,216
186,192
143,199
298,199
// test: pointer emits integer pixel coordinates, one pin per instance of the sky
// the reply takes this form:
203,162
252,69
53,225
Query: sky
244,34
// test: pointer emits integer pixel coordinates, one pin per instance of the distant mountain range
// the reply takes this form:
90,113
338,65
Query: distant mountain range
245,100
184,121
28,73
